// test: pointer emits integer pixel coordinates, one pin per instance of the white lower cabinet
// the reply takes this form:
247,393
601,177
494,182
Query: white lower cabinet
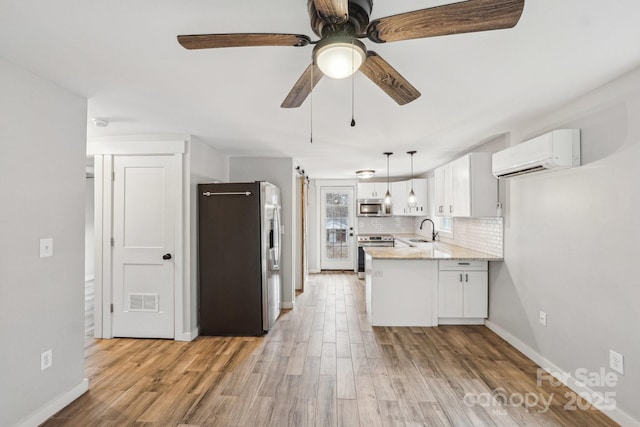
463,292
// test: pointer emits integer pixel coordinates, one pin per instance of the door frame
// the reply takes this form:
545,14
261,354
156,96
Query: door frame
353,219
103,153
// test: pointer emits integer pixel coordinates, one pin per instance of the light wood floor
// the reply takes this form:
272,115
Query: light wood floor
324,365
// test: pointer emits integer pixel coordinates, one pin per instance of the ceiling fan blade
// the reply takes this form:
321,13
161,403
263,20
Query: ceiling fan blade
209,41
334,11
303,87
388,79
465,17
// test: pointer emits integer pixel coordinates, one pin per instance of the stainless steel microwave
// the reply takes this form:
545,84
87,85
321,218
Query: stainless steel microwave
372,207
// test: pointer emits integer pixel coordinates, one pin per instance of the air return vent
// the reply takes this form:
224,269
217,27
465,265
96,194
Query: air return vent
143,302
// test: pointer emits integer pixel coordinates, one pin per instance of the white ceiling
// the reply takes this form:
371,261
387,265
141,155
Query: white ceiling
123,56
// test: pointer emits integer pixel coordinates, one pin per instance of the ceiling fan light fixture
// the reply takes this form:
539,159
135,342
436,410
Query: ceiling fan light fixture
365,173
339,57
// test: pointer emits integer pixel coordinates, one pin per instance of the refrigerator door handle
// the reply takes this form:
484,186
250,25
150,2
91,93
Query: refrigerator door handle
230,193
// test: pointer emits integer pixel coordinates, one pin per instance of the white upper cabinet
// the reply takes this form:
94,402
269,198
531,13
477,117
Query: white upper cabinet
420,190
371,190
466,187
400,195
443,190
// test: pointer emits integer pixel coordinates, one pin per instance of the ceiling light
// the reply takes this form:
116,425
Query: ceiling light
365,173
101,123
339,56
411,200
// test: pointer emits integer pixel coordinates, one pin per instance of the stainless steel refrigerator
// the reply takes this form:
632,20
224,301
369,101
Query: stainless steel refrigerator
238,258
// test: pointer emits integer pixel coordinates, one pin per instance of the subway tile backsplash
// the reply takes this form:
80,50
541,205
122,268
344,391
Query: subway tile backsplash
481,234
386,224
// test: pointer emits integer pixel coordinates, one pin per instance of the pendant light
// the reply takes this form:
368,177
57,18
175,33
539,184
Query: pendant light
411,200
387,197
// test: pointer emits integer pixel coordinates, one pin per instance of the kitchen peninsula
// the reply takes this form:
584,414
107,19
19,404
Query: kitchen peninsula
426,285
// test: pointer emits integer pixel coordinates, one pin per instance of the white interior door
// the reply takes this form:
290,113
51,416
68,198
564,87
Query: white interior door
336,222
143,275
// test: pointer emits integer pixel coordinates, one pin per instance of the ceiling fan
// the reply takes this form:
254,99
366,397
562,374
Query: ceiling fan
341,23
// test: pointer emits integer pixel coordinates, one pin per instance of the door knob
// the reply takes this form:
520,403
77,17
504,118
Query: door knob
166,256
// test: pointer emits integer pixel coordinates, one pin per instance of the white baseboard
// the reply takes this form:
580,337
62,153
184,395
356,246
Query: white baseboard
566,378
460,321
287,305
53,407
188,336
89,278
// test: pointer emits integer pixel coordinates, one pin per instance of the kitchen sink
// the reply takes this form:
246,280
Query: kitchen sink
419,240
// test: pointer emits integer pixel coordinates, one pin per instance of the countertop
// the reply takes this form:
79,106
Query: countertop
431,250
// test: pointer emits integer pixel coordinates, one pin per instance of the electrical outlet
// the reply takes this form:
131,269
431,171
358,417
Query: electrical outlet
46,359
543,318
377,273
46,247
616,361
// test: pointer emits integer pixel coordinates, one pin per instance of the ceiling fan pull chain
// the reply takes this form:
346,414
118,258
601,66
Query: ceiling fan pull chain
353,76
313,63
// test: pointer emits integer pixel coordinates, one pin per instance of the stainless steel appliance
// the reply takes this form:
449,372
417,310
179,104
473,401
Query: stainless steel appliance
372,207
238,258
368,240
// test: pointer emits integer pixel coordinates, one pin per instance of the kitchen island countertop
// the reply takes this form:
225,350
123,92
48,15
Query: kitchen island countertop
431,251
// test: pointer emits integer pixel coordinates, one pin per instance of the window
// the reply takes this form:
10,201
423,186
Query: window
444,226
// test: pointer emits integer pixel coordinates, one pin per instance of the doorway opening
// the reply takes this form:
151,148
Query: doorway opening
337,221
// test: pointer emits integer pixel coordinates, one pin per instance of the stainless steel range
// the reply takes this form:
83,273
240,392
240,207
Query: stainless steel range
368,240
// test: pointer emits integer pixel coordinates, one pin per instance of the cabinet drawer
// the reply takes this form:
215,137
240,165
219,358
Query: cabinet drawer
463,265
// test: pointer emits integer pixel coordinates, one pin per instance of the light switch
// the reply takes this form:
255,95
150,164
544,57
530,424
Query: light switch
46,247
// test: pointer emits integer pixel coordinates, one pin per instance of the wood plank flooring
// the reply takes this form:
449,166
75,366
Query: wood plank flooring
322,365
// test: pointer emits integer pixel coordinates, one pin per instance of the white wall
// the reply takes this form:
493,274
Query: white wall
205,165
42,194
89,240
571,245
279,171
313,242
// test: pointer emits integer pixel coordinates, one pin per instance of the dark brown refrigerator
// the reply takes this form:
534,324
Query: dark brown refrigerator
238,258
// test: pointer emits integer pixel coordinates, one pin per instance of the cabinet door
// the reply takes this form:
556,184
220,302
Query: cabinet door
461,187
420,190
476,288
399,195
443,196
450,294
366,190
439,191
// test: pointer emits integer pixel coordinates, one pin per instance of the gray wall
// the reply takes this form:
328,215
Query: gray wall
89,238
42,176
571,244
206,165
279,171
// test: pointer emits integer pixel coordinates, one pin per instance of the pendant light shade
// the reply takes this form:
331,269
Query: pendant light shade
387,197
411,200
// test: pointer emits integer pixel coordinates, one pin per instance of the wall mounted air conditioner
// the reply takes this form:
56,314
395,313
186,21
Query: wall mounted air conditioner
559,149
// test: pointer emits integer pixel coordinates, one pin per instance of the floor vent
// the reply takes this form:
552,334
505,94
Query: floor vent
143,302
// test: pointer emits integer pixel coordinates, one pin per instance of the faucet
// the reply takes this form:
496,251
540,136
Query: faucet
433,228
